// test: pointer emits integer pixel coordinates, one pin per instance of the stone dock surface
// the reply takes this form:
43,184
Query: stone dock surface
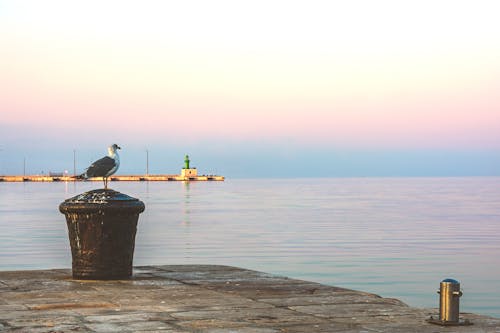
204,298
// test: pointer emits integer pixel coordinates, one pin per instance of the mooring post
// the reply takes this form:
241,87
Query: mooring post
101,227
449,304
449,300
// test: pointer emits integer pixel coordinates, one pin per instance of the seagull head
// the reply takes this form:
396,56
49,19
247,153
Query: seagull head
112,150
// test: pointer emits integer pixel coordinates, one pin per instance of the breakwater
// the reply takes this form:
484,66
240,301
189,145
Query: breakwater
129,178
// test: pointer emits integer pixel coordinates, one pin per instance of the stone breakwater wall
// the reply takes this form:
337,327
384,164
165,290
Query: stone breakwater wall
129,178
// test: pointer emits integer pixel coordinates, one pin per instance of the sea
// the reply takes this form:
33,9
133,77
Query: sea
395,237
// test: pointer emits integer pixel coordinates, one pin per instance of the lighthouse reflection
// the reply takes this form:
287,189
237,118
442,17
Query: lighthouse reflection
186,207
186,221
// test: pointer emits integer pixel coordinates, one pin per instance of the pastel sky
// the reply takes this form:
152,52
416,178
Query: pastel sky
253,88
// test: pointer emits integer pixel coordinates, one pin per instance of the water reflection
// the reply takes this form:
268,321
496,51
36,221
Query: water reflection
186,220
186,202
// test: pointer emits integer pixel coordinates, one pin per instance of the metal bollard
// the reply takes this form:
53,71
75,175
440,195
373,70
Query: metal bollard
449,301
449,304
101,227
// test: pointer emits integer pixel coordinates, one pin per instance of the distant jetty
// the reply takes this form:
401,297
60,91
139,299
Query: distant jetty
127,178
187,174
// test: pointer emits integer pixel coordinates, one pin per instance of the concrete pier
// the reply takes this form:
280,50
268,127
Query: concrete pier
203,298
116,178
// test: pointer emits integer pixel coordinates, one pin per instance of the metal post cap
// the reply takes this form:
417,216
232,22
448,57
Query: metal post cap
102,201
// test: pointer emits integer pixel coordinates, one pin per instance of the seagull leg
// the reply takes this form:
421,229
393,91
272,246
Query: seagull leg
105,180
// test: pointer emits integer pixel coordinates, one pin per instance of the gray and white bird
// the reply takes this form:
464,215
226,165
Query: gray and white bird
104,167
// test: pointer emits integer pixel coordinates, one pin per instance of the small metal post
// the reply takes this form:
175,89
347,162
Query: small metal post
449,300
449,304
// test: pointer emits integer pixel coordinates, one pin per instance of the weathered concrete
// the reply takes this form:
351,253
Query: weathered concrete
198,298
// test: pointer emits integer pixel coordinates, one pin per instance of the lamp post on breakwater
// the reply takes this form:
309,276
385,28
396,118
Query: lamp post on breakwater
74,162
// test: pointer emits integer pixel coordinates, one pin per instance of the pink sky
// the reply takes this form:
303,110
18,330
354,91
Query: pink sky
337,74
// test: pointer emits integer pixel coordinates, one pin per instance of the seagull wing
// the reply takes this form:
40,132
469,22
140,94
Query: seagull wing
101,167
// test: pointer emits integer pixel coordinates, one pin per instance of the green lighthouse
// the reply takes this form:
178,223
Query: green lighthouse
188,171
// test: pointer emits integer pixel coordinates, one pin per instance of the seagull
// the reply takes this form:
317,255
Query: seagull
104,167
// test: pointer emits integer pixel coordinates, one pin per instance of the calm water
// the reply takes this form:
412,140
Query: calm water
396,237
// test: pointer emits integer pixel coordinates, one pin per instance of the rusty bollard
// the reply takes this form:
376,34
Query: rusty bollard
101,227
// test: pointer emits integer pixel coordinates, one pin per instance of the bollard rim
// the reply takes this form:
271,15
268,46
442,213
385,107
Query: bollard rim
100,201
